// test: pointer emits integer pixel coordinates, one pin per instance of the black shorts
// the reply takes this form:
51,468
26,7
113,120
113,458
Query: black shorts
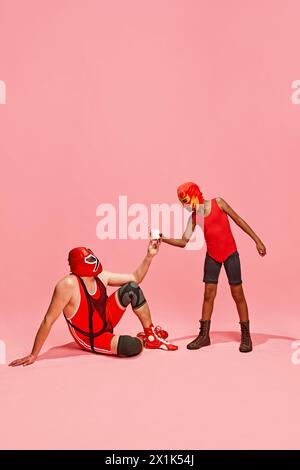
232,267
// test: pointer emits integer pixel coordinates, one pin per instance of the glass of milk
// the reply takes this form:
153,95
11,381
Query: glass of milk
155,234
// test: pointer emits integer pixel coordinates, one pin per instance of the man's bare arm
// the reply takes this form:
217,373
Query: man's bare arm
182,242
116,279
61,297
243,225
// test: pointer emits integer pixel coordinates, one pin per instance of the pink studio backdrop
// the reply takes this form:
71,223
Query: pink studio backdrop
109,98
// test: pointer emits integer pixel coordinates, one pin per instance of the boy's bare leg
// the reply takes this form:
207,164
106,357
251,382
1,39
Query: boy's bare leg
210,293
240,301
242,308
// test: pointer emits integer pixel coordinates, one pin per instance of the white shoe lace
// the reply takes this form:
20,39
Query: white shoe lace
158,330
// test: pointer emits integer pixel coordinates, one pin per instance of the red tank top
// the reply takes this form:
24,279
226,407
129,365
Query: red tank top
89,320
217,233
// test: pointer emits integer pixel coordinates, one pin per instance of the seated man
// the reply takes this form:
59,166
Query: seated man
91,315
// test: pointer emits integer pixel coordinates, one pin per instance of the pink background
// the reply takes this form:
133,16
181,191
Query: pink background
134,97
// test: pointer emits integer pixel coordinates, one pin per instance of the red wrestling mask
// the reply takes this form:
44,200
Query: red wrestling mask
190,195
83,262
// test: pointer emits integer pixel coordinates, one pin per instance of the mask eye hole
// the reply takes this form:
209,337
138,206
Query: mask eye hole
91,259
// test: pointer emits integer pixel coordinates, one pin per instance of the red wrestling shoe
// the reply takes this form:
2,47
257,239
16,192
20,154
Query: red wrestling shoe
154,340
159,332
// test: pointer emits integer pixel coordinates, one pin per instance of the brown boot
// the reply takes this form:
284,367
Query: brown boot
246,343
203,338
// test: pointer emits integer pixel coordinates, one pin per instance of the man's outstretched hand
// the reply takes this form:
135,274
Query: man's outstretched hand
24,361
261,248
153,247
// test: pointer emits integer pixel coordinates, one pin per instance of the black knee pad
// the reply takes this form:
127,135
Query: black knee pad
132,294
129,346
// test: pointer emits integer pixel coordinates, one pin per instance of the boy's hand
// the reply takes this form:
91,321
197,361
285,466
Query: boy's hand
261,248
153,247
25,361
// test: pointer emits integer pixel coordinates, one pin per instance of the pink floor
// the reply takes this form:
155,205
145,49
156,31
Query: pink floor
216,398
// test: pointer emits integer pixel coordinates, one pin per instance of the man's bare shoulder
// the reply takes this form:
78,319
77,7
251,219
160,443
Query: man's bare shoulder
67,283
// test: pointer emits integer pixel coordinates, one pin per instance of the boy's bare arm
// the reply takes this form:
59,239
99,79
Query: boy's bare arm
181,242
243,225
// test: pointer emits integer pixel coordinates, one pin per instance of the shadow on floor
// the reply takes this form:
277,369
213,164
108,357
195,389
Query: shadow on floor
234,336
71,349
65,350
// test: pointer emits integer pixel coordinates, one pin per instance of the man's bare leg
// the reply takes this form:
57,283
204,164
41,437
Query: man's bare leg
144,315
151,337
114,344
142,312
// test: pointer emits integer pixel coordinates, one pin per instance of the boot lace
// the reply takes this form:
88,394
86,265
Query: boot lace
245,332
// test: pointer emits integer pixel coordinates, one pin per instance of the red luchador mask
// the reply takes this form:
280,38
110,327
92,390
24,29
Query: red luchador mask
190,195
83,262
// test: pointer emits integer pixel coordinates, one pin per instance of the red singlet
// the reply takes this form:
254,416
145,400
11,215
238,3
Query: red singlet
217,232
108,314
